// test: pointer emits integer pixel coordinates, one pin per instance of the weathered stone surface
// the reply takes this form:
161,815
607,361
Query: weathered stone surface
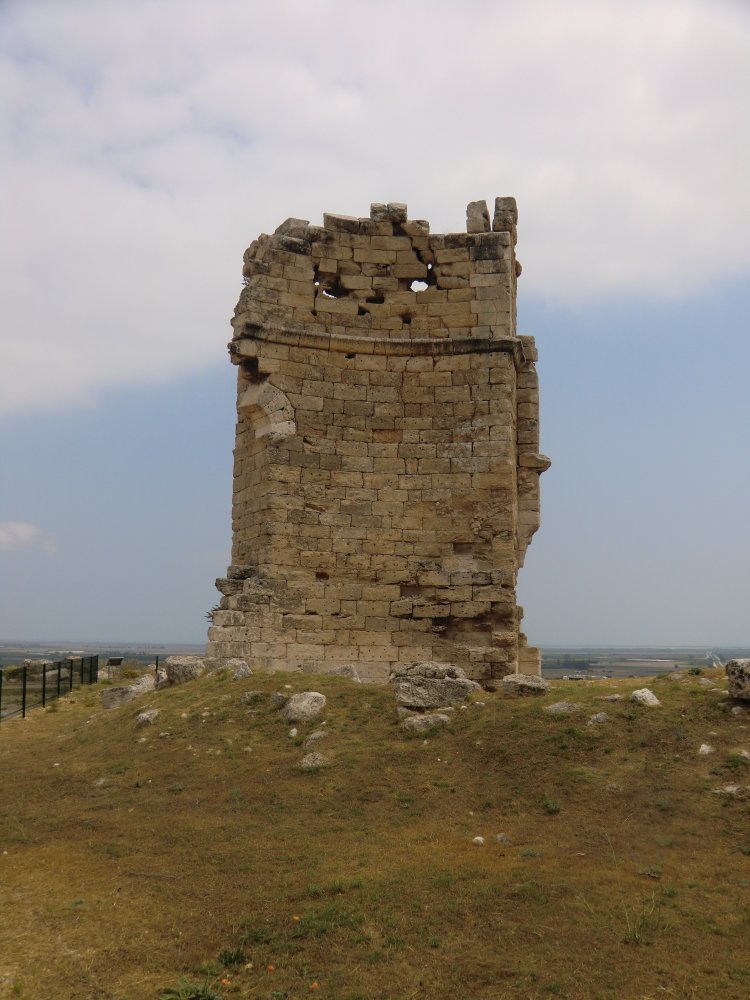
525,684
423,723
181,669
598,719
423,685
278,699
147,718
318,734
645,697
313,762
477,217
304,706
562,708
113,697
357,537
346,670
738,672
239,668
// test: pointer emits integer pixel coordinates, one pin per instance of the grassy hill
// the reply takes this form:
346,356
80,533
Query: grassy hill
197,850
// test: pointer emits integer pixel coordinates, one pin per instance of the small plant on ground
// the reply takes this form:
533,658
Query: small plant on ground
187,990
232,956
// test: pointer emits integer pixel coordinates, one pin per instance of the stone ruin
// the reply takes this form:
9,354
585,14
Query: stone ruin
386,468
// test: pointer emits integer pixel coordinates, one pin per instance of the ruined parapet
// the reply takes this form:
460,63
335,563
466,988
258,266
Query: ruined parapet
386,478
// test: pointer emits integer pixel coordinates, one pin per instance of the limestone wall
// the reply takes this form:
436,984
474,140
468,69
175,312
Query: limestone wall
386,480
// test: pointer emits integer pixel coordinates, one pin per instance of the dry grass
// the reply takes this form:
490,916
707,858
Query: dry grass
134,864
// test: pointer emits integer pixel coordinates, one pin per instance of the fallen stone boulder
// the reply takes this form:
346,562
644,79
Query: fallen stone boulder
115,696
304,706
562,708
525,684
147,718
738,672
239,668
645,697
181,669
423,685
598,719
424,722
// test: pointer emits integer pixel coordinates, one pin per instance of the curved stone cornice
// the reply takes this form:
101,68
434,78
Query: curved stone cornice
395,346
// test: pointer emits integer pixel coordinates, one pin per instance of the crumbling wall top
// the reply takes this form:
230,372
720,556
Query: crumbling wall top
385,276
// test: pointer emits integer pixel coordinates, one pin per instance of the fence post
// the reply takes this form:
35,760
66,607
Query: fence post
81,671
23,693
1,694
156,668
59,668
44,684
70,666
96,669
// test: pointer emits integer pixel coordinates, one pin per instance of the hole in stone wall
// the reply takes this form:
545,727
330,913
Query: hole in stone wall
361,311
418,286
333,289
376,299
406,318
320,575
350,356
463,548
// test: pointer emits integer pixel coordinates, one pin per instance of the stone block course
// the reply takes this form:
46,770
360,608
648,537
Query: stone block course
386,462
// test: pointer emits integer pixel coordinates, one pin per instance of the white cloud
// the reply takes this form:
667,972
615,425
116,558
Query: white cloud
145,144
18,535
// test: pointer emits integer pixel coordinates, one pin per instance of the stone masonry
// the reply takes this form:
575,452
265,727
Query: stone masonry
386,468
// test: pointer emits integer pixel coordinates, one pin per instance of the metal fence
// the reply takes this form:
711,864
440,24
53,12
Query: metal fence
33,684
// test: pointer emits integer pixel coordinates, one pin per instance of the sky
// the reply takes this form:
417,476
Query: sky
145,143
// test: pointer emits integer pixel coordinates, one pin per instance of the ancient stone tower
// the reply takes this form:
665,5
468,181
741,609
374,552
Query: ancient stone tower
386,468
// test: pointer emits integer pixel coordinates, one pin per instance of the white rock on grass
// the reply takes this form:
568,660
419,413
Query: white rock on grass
181,669
525,684
598,719
313,762
427,684
304,706
705,749
318,734
478,841
239,668
115,696
562,708
728,790
147,718
645,697
423,723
